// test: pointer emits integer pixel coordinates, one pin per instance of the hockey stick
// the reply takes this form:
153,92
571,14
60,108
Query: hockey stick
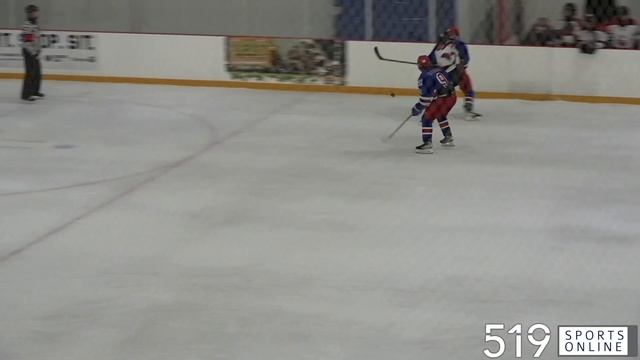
375,49
399,127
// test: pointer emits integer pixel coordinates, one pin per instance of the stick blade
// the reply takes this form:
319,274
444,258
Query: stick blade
377,51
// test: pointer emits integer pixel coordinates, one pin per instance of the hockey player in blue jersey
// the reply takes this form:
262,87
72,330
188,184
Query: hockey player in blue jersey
437,98
452,54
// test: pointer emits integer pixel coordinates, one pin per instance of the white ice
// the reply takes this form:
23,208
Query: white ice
172,223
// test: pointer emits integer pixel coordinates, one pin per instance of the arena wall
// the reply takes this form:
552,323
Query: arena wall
533,73
509,71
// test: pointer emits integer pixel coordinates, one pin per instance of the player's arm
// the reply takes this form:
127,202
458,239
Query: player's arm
463,51
426,96
432,56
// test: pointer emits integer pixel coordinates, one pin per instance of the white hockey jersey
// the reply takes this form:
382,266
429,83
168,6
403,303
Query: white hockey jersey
447,56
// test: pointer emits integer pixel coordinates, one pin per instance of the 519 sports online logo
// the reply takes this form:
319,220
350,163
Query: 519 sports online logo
572,341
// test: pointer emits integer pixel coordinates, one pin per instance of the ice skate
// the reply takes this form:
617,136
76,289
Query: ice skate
472,116
469,114
426,148
447,141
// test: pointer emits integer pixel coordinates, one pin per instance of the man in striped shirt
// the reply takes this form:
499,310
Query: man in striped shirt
31,54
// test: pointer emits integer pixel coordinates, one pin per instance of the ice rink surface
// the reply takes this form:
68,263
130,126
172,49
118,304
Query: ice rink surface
166,223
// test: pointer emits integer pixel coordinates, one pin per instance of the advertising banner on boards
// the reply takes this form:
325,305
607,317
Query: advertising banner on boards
284,60
60,50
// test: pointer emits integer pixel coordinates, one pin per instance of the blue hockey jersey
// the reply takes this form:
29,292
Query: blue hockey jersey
433,83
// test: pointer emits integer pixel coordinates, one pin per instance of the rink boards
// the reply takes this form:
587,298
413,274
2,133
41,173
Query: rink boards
503,72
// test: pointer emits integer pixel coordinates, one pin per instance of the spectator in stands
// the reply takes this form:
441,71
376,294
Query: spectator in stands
570,26
591,37
624,30
541,33
623,17
603,10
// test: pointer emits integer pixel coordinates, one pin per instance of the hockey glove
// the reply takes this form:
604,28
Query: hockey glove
417,109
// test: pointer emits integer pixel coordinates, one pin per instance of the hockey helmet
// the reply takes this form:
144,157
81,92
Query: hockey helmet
452,33
30,9
424,62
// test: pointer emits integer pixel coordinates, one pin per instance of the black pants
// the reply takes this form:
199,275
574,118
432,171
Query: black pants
33,76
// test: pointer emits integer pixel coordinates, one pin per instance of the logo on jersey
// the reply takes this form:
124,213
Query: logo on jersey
442,79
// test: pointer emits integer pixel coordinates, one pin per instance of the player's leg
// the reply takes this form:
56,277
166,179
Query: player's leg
27,84
37,78
466,85
446,131
447,104
427,134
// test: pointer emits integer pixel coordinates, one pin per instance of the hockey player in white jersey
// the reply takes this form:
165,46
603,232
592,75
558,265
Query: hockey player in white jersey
452,54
